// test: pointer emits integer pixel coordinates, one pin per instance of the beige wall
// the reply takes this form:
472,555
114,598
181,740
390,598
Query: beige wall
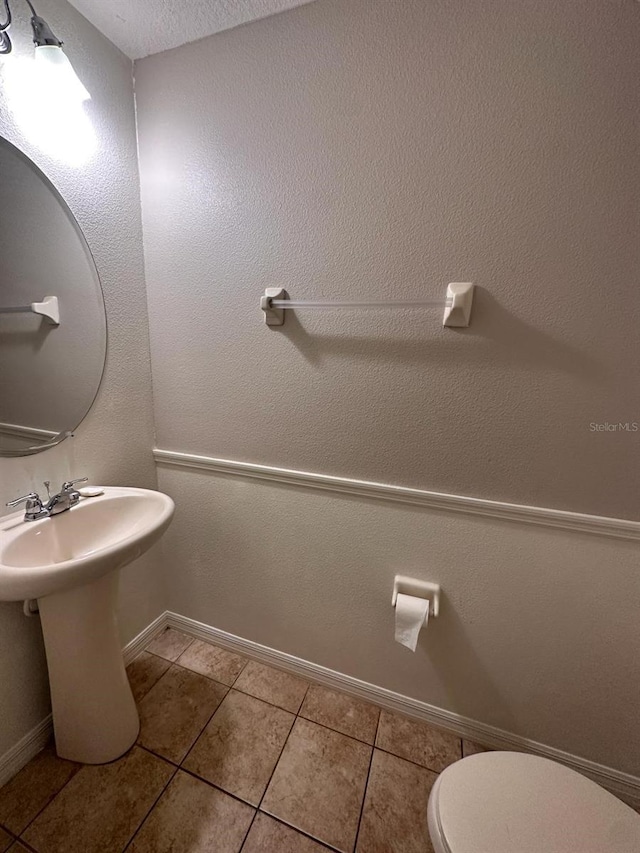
537,635
366,148
113,444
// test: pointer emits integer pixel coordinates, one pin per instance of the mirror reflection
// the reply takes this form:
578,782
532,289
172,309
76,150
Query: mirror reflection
53,332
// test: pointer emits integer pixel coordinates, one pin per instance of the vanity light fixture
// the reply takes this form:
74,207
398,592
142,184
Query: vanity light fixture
52,64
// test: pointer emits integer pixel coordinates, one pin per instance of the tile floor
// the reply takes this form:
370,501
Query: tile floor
235,756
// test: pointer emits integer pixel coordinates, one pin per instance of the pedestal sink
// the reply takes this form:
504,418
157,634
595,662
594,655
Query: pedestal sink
70,564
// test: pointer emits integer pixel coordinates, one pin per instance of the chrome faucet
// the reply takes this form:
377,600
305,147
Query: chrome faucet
60,502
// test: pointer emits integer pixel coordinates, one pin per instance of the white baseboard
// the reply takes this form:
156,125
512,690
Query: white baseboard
25,749
35,740
137,645
623,785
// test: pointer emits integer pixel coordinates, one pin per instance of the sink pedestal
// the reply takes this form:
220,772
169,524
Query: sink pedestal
70,562
95,718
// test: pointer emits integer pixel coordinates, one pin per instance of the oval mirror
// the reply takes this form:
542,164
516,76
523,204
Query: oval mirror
53,329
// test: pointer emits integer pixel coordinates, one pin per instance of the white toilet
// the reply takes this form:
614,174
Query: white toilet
509,802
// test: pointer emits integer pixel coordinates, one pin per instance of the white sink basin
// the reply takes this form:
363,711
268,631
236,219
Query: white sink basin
39,558
70,563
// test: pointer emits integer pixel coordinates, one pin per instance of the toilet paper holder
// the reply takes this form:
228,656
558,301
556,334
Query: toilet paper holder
421,589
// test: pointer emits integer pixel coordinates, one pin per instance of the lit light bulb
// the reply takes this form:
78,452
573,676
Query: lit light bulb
57,125
46,96
55,72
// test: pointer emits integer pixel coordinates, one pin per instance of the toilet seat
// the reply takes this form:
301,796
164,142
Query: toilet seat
509,802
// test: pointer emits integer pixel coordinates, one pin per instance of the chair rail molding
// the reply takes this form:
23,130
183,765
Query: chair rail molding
617,528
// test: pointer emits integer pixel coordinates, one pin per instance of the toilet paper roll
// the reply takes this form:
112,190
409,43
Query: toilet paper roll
411,614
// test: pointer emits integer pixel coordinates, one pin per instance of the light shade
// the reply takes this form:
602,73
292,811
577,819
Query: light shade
56,72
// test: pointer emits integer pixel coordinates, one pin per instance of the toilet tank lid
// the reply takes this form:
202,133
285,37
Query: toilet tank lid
501,802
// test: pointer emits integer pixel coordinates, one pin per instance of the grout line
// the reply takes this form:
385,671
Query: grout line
202,675
157,755
225,687
228,690
621,784
244,666
12,836
337,732
310,683
375,737
176,662
153,654
49,802
178,766
217,787
193,672
315,722
300,831
280,820
246,835
25,844
138,699
211,716
162,633
248,660
366,785
297,715
415,763
154,804
275,766
266,701
257,809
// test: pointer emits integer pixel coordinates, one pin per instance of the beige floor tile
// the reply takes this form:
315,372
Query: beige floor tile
318,784
241,745
175,710
6,840
169,644
33,788
101,807
395,807
143,673
417,742
341,712
213,662
274,686
469,747
268,835
193,817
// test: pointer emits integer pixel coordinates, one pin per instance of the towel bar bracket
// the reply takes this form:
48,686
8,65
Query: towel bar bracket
48,308
273,316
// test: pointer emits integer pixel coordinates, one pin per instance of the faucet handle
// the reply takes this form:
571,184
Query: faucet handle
69,484
32,500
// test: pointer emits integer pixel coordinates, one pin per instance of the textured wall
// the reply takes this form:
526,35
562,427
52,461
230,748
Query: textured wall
538,632
365,148
353,148
113,444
